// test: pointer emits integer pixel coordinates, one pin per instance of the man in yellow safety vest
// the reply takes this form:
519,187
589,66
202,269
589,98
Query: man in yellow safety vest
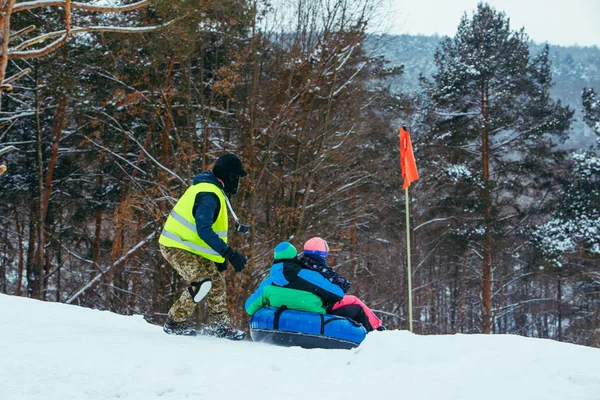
194,242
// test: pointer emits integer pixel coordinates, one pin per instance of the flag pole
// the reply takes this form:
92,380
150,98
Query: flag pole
410,174
410,310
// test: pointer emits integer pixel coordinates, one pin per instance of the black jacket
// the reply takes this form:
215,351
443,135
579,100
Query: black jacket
290,273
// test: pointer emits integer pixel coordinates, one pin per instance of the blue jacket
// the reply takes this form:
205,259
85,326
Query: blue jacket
206,209
291,274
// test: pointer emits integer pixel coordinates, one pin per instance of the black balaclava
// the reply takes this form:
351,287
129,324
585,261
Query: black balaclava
232,184
229,169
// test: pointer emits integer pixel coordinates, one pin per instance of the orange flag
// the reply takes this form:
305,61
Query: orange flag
407,159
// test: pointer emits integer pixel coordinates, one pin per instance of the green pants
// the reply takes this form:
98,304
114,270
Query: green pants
195,268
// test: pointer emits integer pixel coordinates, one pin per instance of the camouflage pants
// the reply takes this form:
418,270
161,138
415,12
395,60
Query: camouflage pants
194,268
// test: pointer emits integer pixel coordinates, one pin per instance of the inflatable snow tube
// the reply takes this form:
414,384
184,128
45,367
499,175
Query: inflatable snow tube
283,327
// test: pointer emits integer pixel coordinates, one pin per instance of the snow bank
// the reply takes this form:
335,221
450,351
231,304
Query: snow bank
54,351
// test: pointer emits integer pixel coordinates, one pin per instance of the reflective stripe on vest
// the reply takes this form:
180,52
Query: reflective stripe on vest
194,246
191,226
180,228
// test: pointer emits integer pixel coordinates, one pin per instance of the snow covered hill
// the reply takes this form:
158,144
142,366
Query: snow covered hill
54,351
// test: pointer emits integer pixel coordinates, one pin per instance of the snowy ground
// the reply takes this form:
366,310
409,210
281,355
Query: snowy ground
53,351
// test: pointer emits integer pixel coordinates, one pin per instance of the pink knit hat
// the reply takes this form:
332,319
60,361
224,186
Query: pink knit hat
316,246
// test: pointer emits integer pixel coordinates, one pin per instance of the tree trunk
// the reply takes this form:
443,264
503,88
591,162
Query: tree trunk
168,123
462,294
486,293
5,13
595,329
98,230
559,301
21,256
39,259
354,232
3,268
59,262
57,128
202,107
250,152
30,263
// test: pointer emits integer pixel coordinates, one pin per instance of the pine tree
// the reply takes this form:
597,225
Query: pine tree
591,108
491,128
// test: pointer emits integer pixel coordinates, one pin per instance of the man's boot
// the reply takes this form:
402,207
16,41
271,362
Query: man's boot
178,328
224,331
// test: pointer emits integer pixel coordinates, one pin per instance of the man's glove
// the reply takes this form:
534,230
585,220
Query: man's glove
235,258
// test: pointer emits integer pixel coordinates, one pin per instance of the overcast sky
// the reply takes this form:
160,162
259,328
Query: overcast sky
562,22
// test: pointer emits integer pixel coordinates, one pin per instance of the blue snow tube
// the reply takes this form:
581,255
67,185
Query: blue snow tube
284,327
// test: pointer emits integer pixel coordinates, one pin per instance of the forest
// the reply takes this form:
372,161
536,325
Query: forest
111,110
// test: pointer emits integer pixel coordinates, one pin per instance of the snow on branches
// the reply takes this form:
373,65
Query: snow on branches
578,221
59,37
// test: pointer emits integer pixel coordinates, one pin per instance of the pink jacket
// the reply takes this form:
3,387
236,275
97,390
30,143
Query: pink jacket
353,300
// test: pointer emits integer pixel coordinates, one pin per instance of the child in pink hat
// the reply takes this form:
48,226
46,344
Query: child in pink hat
315,256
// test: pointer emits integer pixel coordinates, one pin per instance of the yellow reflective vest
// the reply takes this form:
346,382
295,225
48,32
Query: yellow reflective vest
180,228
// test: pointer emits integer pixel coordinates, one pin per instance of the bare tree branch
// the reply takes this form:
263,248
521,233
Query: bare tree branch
118,156
132,252
17,76
13,53
40,52
10,7
22,32
28,5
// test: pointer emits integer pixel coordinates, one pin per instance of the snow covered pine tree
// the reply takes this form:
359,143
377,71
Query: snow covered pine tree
491,135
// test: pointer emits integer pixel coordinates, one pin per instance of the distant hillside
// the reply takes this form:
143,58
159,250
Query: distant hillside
573,68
